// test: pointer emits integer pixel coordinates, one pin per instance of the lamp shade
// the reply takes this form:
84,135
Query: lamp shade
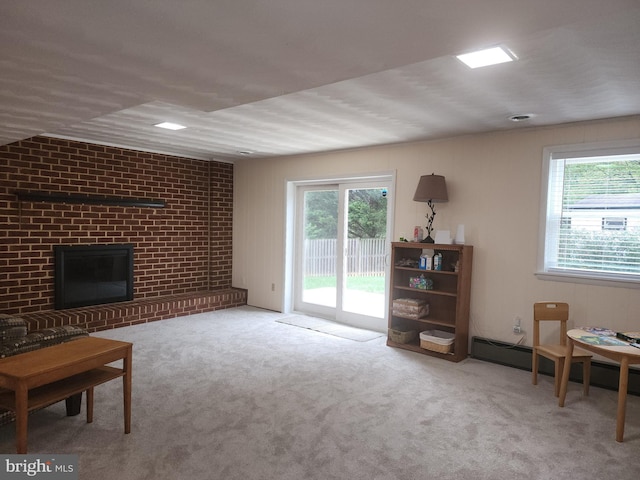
431,187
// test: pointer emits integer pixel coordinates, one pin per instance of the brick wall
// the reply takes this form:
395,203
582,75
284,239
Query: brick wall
180,249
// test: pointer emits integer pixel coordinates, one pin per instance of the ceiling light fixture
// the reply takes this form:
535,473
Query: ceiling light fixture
486,57
170,126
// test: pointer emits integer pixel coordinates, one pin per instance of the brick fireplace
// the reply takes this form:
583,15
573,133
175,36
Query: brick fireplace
182,248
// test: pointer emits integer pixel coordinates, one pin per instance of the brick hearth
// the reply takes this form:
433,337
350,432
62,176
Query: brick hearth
103,317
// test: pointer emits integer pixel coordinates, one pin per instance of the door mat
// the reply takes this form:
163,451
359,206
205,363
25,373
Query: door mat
330,328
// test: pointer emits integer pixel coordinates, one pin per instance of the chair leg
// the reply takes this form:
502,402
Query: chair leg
534,368
559,367
586,377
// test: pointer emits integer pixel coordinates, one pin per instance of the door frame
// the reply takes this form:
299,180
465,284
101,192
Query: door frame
292,222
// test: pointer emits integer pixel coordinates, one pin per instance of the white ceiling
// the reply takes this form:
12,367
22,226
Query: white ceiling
282,77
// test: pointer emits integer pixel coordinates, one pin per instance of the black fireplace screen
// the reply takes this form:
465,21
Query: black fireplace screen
93,274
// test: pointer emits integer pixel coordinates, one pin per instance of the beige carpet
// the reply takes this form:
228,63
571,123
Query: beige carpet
236,395
330,328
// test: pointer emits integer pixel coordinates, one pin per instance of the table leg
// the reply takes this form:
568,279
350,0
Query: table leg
565,372
22,413
89,393
126,389
622,397
74,404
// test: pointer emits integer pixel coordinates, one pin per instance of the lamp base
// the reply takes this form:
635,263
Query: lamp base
428,240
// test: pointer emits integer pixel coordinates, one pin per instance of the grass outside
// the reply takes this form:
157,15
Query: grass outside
364,284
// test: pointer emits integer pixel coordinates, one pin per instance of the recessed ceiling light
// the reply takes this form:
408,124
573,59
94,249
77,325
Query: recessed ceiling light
486,57
170,126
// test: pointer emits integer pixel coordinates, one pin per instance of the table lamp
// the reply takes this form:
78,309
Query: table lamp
431,189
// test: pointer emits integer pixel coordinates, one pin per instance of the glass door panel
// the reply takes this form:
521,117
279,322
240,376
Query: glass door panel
365,250
319,246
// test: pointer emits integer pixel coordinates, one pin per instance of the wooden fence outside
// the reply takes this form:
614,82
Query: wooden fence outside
365,257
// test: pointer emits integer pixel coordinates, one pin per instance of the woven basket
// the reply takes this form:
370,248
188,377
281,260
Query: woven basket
401,336
410,308
437,341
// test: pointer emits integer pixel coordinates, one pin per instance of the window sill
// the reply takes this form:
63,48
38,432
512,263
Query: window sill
589,279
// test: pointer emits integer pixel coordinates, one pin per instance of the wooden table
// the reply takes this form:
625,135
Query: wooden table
603,345
36,379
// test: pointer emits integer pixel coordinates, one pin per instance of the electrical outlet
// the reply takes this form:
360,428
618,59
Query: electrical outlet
517,329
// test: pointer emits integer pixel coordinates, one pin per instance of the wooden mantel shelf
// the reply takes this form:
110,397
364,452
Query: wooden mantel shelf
89,199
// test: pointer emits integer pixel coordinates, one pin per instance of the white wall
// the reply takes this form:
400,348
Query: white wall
494,184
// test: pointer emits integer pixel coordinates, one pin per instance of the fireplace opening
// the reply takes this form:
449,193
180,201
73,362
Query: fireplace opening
92,274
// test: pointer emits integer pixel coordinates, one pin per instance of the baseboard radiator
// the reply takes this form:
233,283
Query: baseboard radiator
604,375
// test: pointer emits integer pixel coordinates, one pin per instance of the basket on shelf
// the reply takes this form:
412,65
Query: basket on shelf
399,335
437,341
410,308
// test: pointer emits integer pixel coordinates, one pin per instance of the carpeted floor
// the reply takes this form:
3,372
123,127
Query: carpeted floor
330,328
236,394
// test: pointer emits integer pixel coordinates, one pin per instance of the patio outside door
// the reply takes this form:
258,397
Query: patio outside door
342,250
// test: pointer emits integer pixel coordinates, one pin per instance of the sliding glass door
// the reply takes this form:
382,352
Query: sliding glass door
342,251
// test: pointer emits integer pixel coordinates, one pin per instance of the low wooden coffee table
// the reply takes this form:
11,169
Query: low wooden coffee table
36,379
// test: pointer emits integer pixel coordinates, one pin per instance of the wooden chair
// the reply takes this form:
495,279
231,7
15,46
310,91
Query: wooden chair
558,312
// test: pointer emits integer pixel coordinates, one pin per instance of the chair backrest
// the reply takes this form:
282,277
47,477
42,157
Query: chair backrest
550,311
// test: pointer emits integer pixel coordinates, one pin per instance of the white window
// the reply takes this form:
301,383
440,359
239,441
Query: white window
590,215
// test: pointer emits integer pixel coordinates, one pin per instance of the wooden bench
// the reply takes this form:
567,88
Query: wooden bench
42,377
